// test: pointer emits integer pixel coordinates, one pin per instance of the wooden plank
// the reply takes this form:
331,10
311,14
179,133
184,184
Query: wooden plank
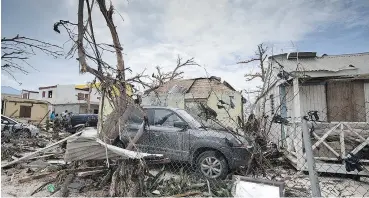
299,147
30,178
346,101
296,101
326,145
361,146
313,97
89,173
40,150
366,92
326,158
354,131
342,142
325,136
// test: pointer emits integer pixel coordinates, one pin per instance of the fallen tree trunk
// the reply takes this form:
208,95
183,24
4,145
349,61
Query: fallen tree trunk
128,178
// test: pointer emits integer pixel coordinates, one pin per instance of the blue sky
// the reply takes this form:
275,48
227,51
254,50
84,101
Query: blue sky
216,33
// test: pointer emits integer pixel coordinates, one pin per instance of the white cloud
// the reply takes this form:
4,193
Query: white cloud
216,33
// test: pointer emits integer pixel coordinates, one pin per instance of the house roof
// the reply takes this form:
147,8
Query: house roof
24,90
24,100
199,87
332,63
48,87
176,86
10,90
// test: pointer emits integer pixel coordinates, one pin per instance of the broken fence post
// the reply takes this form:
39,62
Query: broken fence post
315,188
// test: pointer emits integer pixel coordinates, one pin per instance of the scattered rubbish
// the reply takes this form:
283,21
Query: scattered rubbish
51,188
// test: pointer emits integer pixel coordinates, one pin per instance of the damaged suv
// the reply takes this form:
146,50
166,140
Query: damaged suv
177,135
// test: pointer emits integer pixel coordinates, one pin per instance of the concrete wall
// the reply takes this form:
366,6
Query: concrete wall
64,94
34,96
229,115
46,98
171,100
75,108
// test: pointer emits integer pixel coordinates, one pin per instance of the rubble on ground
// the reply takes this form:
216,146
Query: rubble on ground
47,174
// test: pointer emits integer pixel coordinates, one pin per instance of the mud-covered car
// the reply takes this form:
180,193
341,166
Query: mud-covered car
11,127
177,135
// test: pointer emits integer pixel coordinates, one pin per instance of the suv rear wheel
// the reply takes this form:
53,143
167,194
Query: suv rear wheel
212,165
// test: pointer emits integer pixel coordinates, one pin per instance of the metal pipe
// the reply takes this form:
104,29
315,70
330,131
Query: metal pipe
315,188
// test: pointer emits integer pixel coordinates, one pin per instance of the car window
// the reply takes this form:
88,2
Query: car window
136,117
6,119
163,117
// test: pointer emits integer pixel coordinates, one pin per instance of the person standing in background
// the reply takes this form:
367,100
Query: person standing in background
52,116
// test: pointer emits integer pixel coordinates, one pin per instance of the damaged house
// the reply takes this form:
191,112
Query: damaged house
201,97
74,98
334,87
29,110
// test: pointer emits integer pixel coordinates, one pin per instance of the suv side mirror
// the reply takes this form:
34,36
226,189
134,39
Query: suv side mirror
180,124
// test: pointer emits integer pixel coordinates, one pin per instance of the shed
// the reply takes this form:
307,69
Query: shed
27,109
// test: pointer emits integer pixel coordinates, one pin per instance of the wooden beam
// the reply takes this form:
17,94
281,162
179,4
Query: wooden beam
342,142
40,150
326,145
296,101
354,131
361,146
325,136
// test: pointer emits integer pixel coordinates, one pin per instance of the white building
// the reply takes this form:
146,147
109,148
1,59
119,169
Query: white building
73,98
27,94
337,87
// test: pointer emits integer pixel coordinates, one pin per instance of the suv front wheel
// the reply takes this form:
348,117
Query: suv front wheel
212,165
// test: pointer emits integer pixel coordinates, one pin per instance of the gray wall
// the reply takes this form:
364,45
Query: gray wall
70,107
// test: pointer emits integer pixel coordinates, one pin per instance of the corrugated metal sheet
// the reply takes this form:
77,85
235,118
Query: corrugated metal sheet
88,147
313,98
332,63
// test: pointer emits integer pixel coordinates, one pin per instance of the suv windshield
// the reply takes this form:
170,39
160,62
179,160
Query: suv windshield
189,118
198,122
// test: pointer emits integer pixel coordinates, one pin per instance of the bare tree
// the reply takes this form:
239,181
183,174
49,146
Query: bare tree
263,72
16,51
124,180
159,77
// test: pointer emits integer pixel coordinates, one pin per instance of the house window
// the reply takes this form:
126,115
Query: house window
80,96
43,94
50,94
86,96
25,111
98,98
96,111
271,97
25,96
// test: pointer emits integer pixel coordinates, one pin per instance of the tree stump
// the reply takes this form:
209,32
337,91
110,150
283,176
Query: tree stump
128,179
